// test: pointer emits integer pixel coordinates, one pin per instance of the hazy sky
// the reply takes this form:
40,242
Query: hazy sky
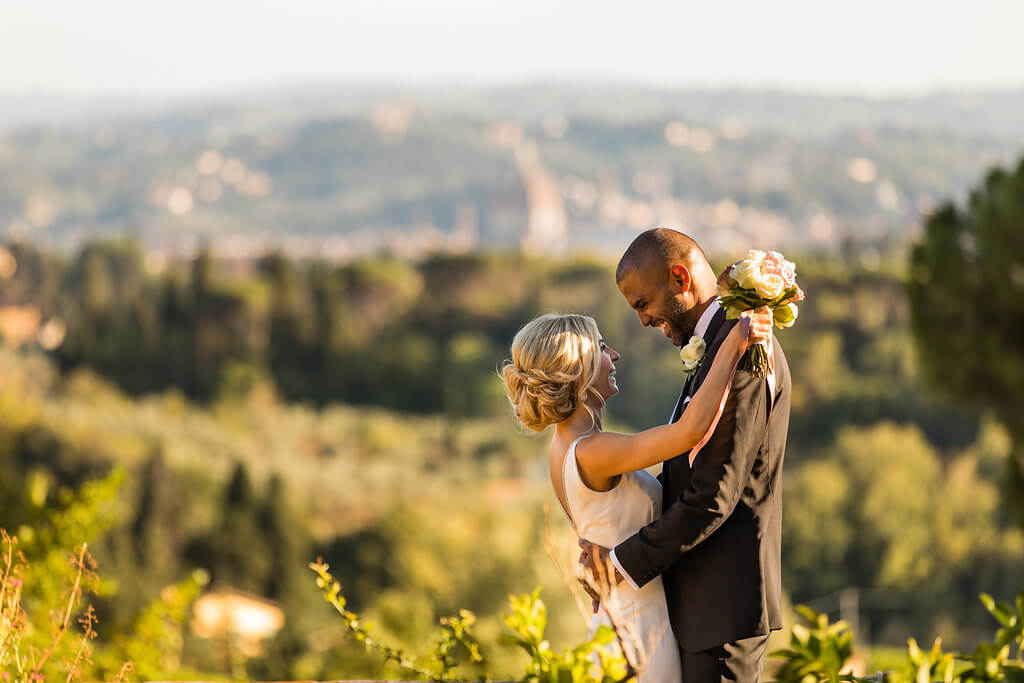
201,46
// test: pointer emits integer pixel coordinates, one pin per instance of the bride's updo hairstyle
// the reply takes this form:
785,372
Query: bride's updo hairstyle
555,360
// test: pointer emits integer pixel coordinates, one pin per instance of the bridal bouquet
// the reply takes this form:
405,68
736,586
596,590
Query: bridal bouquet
764,278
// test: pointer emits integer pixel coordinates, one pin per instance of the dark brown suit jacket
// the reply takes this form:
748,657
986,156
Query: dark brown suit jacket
717,544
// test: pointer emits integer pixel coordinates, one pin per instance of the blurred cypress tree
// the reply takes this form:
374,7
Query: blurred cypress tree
292,345
156,531
967,297
235,551
285,542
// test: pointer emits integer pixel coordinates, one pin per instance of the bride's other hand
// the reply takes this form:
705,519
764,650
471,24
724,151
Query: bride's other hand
760,325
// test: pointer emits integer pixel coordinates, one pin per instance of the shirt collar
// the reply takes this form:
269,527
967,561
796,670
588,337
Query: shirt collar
705,318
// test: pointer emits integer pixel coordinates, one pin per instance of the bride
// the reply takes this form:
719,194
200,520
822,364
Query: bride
562,372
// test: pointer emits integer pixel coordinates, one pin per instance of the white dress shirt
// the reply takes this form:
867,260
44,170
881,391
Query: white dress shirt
700,330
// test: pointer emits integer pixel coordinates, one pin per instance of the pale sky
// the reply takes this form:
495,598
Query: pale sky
177,47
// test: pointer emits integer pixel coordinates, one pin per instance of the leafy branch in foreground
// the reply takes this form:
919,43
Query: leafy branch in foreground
24,658
528,620
455,630
598,660
47,629
819,651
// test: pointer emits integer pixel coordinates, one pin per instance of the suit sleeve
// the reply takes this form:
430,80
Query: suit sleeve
719,476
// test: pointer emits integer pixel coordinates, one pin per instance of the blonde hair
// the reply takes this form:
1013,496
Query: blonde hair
555,360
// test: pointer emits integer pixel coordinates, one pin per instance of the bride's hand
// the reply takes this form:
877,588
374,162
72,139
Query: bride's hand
754,327
760,325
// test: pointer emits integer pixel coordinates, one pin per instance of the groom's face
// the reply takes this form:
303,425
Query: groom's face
660,302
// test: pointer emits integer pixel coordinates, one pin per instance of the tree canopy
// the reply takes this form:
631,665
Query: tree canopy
967,299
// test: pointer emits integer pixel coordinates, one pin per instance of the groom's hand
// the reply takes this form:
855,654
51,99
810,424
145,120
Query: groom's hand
595,599
599,574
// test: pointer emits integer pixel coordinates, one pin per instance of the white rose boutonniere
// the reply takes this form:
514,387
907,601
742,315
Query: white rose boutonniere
692,354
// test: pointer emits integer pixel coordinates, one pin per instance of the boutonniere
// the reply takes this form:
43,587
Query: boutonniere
692,354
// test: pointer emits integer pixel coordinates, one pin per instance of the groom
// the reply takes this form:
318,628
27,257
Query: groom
717,542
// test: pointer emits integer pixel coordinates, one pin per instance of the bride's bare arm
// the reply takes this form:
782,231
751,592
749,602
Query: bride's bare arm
608,454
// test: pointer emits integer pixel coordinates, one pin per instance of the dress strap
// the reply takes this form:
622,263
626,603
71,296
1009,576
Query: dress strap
564,498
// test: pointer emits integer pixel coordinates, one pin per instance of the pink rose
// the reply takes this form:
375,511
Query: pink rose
776,264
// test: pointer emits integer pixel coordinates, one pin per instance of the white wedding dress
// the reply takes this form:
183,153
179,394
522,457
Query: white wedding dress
606,518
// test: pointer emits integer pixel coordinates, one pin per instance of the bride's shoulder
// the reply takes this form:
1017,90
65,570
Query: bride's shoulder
587,442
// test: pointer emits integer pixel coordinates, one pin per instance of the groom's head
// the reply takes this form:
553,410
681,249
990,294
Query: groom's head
667,280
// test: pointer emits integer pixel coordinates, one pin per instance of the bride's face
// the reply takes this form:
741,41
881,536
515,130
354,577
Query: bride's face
605,383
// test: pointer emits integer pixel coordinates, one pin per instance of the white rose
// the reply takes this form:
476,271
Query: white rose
746,273
769,286
755,255
692,353
694,350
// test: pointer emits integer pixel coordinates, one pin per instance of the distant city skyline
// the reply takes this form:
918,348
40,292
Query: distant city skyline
195,47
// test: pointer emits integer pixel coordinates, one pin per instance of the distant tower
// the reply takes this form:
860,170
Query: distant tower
547,229
526,208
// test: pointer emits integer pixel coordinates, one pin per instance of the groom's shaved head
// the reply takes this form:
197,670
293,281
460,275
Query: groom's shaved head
661,247
666,278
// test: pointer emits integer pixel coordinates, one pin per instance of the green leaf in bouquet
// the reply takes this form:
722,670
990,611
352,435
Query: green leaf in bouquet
783,314
786,295
743,298
751,299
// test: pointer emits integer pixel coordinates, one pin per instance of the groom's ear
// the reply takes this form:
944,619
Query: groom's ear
681,275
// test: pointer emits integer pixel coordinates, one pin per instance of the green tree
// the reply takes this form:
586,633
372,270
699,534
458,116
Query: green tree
234,551
285,541
967,297
156,531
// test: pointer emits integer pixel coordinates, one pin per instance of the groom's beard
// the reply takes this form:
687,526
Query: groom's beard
681,324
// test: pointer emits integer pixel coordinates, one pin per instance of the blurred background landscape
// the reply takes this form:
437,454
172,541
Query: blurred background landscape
268,319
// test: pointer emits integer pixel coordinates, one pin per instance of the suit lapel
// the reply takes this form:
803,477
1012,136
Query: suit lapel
677,412
688,388
716,324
